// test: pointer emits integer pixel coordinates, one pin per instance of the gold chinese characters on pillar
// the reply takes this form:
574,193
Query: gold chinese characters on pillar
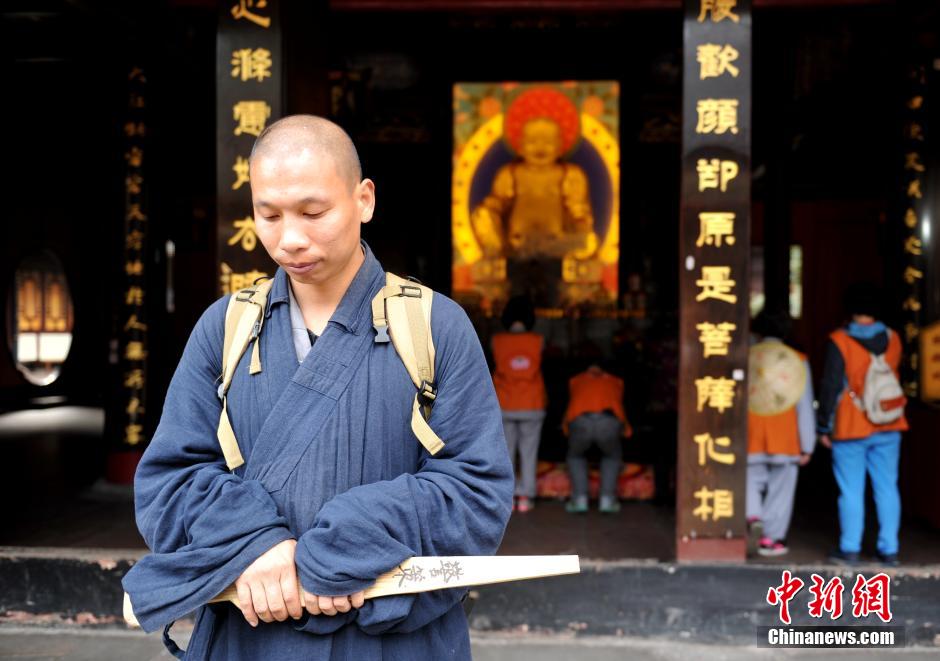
915,230
714,244
248,99
132,305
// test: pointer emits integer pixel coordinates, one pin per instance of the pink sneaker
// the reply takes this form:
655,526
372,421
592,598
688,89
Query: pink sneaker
771,548
524,504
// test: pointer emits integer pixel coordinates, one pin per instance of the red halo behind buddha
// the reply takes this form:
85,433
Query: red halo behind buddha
538,103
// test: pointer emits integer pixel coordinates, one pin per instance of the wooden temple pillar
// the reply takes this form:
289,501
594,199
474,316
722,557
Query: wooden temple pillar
249,97
714,243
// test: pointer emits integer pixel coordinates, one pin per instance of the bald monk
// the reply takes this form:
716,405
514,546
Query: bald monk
336,489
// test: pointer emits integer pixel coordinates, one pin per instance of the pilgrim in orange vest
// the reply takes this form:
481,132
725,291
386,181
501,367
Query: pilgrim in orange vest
863,448
595,417
517,377
781,430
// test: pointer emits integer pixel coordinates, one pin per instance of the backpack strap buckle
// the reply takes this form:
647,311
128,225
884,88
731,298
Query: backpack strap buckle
381,334
427,393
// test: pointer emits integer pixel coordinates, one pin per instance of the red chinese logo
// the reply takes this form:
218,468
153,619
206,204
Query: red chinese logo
827,597
869,596
872,596
783,593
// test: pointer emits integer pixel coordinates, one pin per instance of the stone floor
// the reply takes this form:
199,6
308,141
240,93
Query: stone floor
111,645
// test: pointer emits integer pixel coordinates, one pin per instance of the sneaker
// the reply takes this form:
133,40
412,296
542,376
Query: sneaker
770,548
609,505
847,558
577,505
524,504
888,559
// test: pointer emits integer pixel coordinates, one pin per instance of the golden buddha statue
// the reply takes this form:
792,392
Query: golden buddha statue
538,206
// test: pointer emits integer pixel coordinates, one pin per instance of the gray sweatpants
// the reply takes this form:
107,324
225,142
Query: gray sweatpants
523,432
770,491
604,431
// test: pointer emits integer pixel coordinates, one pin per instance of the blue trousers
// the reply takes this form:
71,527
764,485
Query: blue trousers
877,455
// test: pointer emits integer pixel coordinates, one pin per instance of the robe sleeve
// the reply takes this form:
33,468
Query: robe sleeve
203,524
457,503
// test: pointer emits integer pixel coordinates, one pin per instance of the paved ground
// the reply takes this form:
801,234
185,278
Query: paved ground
114,645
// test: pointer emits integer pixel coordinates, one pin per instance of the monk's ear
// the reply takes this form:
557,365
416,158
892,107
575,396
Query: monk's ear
365,199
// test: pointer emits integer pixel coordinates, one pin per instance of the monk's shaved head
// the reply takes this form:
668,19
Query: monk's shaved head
291,135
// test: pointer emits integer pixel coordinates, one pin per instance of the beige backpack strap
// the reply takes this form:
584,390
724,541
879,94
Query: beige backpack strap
244,318
401,311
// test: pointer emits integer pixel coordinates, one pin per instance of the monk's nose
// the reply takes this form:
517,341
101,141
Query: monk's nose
293,237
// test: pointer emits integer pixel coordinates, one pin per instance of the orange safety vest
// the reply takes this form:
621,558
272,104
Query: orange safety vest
595,392
850,421
774,434
518,373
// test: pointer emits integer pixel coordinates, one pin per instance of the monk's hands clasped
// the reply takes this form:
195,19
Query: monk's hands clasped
324,605
268,590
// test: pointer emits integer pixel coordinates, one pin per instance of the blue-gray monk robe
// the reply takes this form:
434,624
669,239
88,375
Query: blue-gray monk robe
331,461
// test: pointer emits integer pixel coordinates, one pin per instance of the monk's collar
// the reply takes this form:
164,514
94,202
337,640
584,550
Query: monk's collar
354,305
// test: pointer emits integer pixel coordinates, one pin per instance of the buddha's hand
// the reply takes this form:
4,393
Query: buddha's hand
486,227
